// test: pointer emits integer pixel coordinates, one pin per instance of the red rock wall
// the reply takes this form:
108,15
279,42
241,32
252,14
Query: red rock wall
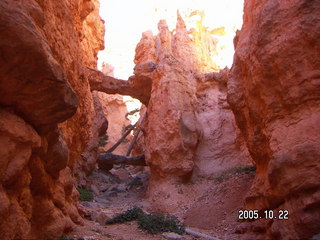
170,128
274,93
189,129
44,47
221,144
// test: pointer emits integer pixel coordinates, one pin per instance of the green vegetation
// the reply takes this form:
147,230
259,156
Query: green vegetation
103,140
245,169
224,175
151,223
157,223
129,215
85,194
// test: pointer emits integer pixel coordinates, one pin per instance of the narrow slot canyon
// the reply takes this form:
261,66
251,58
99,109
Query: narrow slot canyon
151,120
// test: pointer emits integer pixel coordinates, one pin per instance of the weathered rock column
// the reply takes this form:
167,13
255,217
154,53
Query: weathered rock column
44,48
170,128
274,91
189,123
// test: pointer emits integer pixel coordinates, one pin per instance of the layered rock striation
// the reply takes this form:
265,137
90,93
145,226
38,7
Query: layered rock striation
274,93
44,47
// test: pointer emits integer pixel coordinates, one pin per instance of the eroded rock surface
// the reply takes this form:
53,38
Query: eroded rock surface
274,94
170,128
44,47
189,129
221,145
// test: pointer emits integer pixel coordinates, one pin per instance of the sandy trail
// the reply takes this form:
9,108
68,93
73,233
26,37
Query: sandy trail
212,211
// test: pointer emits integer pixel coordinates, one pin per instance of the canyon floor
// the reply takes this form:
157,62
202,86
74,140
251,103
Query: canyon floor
211,210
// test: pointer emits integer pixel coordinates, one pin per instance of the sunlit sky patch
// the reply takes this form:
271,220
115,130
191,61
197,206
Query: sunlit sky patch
125,20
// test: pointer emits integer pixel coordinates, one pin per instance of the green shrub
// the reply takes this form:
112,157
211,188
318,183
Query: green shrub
157,223
127,216
245,169
151,223
85,194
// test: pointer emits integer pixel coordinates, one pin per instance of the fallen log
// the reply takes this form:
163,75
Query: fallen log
106,160
121,139
137,86
198,234
136,135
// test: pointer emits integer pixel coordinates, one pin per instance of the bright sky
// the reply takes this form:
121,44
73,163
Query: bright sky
126,20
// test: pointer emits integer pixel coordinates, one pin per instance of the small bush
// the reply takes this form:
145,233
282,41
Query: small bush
151,223
156,223
245,169
127,216
85,194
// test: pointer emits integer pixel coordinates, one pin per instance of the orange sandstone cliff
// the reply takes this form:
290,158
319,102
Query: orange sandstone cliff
44,48
190,130
199,120
274,91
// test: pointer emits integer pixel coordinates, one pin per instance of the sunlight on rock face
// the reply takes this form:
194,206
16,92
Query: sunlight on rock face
126,20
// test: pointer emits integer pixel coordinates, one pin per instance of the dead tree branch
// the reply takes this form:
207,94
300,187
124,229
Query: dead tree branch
107,159
136,135
110,150
136,86
198,234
